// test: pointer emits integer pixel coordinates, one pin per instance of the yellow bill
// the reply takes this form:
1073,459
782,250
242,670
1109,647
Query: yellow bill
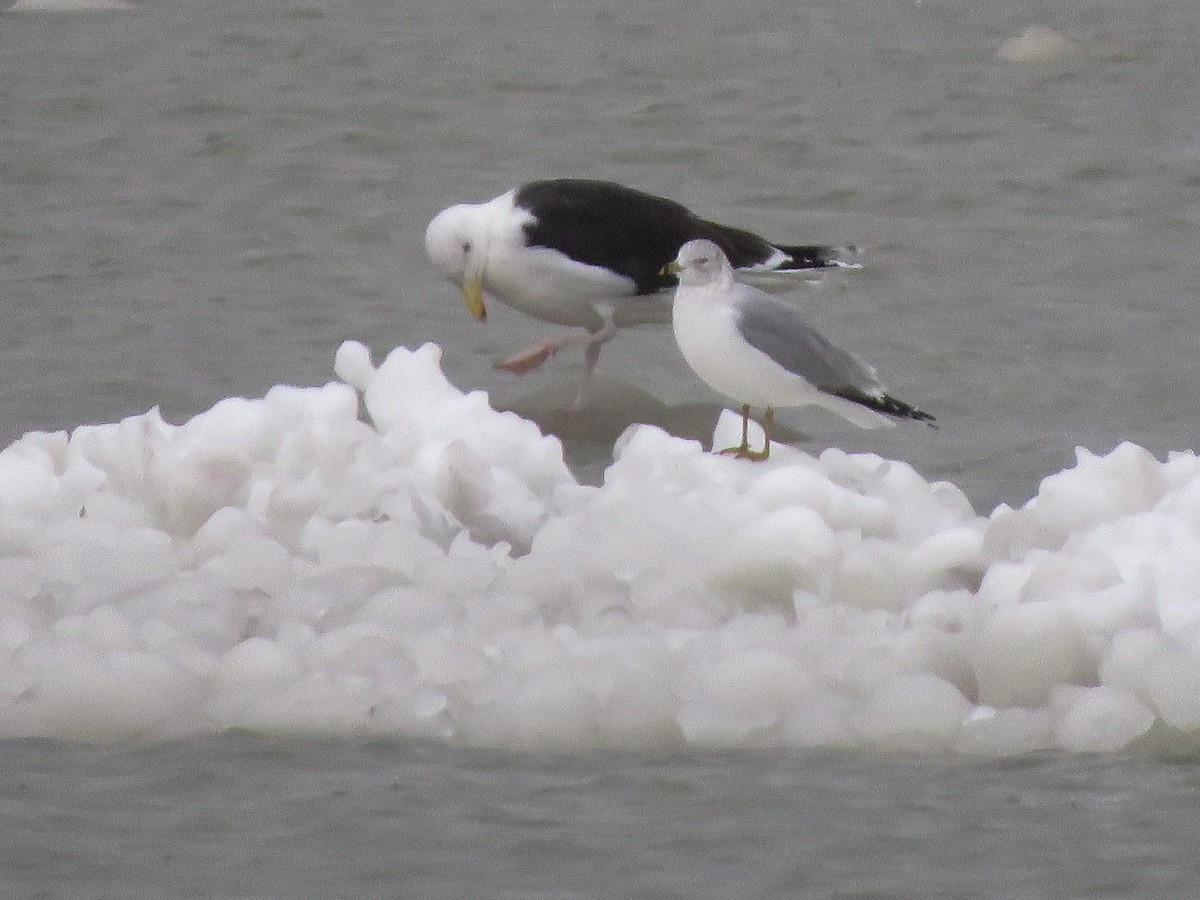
473,293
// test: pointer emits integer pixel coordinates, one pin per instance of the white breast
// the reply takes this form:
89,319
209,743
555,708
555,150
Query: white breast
709,339
548,285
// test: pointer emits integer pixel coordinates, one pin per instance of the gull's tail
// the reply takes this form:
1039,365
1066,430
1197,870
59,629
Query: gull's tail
764,262
816,256
791,265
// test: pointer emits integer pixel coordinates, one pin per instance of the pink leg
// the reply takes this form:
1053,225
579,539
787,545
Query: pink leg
591,356
591,341
529,359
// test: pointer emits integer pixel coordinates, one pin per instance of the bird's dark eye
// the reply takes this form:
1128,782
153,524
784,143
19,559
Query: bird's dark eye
466,246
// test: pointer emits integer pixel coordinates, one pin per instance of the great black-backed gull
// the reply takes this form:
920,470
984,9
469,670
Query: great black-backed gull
761,351
592,254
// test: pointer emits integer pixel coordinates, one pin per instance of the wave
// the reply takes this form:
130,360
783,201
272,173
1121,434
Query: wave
387,555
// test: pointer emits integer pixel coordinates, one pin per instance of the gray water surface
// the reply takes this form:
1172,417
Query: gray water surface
240,816
202,198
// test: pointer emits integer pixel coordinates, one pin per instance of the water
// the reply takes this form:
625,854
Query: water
243,817
203,199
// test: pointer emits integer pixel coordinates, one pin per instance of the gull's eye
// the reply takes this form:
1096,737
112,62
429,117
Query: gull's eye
466,246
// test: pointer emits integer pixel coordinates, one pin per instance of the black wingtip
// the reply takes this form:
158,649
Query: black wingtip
820,256
889,406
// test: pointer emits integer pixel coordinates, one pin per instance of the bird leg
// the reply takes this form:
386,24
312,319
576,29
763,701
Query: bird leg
743,450
591,356
591,341
529,359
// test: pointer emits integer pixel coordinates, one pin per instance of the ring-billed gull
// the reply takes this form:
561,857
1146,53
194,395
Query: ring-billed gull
761,351
592,254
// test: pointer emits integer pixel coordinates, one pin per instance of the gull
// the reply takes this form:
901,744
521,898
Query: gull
761,351
592,254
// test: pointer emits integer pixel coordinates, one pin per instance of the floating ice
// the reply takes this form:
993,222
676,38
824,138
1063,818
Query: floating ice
1035,45
387,555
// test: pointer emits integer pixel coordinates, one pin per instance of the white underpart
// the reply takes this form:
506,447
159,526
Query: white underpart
547,285
708,337
544,283
706,327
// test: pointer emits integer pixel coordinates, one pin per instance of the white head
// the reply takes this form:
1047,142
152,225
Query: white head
701,263
456,242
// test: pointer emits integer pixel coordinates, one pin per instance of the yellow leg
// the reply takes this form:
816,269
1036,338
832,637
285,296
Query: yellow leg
743,450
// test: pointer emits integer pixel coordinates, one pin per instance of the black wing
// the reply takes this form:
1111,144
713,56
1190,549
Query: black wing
636,234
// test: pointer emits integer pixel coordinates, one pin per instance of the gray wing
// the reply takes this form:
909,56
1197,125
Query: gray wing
778,328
